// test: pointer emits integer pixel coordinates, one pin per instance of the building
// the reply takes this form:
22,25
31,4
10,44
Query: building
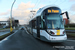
4,23
66,21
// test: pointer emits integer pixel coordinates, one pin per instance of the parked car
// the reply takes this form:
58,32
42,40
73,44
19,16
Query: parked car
5,26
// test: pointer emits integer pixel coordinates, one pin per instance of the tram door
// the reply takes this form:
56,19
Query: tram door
38,27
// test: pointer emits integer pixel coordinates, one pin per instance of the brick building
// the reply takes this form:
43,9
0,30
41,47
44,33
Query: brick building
66,21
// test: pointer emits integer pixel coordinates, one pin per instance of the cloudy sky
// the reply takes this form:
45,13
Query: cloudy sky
22,8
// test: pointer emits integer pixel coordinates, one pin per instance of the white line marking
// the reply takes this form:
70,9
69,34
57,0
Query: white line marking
8,36
26,30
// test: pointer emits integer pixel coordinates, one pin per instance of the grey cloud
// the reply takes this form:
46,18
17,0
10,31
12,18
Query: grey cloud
22,12
5,13
71,0
72,7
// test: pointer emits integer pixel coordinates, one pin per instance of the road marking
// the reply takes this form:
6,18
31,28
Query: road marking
8,36
26,30
3,33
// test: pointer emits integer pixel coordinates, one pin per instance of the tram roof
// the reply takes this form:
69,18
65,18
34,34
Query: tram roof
39,12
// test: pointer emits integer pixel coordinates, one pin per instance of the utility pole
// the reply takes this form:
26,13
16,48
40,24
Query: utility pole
32,12
11,29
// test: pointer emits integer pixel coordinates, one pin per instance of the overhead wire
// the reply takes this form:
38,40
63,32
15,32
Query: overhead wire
54,2
33,8
35,4
38,3
61,2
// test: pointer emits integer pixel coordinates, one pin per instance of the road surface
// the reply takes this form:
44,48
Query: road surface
21,40
2,33
5,31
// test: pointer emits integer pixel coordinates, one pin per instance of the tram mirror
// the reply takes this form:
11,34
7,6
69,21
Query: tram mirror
66,14
61,13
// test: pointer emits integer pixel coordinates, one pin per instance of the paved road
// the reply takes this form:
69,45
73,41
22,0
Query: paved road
5,31
2,33
23,41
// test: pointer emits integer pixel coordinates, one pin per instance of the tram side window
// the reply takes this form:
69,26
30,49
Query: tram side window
42,22
34,23
30,24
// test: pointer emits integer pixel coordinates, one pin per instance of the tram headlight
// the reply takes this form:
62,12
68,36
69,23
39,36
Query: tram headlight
63,32
50,32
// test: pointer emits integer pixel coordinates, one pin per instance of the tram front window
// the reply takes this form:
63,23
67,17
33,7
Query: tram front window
54,21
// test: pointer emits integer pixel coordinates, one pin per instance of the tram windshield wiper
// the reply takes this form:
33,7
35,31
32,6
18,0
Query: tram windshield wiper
57,28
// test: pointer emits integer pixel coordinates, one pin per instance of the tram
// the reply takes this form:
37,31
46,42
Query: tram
48,24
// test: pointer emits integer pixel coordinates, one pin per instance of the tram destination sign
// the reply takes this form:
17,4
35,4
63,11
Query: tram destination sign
53,11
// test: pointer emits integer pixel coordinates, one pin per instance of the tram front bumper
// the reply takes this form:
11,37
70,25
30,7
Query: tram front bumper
58,39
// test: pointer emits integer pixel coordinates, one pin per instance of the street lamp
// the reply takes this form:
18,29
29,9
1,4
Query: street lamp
11,29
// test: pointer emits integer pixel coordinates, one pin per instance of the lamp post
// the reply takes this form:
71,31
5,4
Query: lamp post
11,29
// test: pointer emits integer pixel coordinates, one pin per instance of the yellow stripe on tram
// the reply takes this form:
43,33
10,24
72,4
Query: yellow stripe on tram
58,32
